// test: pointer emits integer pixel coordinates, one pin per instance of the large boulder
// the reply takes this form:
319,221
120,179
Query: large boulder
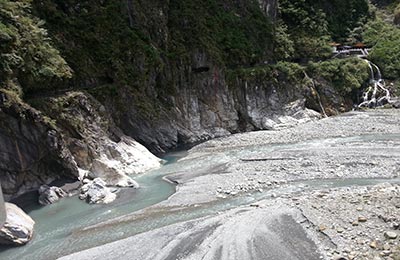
18,228
108,171
96,191
49,195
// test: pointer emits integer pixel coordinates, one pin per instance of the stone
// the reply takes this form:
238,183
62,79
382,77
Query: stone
268,124
18,228
108,172
373,244
49,195
362,219
322,227
97,192
390,235
340,230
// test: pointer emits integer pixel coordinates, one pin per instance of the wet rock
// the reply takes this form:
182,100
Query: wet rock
390,235
18,228
96,192
49,195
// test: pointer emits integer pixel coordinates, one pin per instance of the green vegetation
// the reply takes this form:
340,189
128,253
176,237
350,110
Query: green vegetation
345,74
310,25
231,34
385,39
98,42
131,45
27,55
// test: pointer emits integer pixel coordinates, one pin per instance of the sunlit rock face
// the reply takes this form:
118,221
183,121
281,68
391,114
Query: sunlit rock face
18,228
96,191
98,146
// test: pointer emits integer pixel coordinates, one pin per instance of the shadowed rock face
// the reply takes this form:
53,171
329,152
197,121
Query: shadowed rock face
32,151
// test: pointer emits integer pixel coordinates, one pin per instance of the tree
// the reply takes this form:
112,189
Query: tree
25,49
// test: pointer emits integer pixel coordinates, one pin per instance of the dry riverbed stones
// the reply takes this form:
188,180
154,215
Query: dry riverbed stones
362,222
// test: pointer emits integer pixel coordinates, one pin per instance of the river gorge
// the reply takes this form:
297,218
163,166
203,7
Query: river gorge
230,190
190,129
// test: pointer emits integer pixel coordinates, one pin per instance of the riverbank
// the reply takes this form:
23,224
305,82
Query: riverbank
275,169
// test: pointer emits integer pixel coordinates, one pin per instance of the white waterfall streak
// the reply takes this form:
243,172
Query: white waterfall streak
377,94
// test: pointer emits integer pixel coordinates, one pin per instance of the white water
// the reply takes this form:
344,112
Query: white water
377,94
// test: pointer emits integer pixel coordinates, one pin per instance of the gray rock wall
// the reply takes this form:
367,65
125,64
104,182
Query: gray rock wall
32,150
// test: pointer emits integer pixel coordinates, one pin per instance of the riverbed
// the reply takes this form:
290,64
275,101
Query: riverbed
222,176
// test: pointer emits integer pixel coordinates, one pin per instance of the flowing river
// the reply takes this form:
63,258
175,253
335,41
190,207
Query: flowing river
61,228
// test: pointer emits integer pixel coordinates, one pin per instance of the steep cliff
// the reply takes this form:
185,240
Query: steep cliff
161,68
33,151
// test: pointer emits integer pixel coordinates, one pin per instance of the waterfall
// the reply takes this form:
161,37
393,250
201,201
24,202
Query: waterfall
376,94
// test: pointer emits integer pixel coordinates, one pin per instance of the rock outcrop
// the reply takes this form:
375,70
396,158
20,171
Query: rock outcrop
18,228
49,195
32,150
96,191
98,146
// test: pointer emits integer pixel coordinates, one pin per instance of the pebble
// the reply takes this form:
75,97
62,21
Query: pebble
373,244
390,235
322,227
340,230
362,219
386,247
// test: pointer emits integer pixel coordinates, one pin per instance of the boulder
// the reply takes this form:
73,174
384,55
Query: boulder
96,191
49,195
18,228
110,173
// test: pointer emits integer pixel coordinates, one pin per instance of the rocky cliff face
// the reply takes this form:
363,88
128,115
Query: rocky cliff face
80,140
211,107
33,151
188,99
99,148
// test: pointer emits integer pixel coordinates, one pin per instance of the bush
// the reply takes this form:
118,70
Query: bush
345,74
385,39
25,49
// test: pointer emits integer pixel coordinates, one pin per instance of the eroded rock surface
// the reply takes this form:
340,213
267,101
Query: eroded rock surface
18,228
96,191
32,150
49,195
